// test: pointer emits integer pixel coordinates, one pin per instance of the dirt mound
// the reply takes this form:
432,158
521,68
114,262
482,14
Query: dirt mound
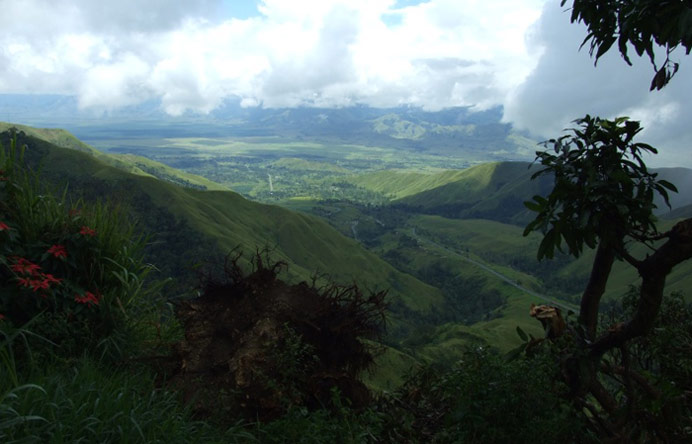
256,345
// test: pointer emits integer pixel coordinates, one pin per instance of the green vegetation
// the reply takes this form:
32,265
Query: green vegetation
455,284
77,266
105,336
76,299
306,243
644,25
71,391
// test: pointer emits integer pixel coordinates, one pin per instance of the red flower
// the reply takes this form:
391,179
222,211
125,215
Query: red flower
40,281
24,266
38,284
4,226
57,251
89,298
2,316
51,279
86,231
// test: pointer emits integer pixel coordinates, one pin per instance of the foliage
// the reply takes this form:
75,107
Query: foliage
639,391
79,266
267,346
603,190
603,198
97,300
340,424
483,399
653,372
468,299
644,24
87,402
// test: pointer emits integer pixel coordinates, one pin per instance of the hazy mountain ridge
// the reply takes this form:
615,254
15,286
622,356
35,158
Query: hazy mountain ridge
460,130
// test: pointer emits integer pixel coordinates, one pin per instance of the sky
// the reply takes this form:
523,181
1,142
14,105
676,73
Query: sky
192,55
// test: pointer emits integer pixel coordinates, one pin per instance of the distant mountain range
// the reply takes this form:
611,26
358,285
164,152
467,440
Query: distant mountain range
454,131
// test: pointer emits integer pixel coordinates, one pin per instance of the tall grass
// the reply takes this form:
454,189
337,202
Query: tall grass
10,387
82,265
88,402
76,299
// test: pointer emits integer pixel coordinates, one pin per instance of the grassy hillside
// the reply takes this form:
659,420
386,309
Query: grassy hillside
306,243
143,166
396,184
126,162
494,191
505,248
56,136
437,293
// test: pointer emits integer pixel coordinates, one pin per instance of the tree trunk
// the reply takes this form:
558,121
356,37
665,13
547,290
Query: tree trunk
653,270
590,300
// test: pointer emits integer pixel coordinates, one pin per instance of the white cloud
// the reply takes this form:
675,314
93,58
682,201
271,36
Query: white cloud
118,83
565,85
304,52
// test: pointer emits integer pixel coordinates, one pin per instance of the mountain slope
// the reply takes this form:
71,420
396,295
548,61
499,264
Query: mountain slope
306,243
397,184
127,162
494,191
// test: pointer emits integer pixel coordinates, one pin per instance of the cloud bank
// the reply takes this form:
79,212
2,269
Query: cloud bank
522,55
565,85
305,52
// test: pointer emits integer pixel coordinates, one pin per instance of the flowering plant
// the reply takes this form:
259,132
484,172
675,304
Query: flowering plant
66,259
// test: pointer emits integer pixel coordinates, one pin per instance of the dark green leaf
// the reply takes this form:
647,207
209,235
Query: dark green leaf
668,185
522,334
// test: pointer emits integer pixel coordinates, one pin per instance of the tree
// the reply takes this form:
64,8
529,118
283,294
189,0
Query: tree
644,24
603,198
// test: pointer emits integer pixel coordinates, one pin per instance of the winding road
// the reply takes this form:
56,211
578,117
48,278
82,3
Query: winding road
495,273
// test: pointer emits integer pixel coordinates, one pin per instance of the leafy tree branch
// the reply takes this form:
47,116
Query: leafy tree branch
643,24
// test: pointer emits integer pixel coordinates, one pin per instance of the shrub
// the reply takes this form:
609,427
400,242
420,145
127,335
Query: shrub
258,346
77,266
483,399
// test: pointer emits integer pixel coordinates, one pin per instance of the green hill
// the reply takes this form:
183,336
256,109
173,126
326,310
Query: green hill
493,191
126,162
56,136
189,222
504,248
396,184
